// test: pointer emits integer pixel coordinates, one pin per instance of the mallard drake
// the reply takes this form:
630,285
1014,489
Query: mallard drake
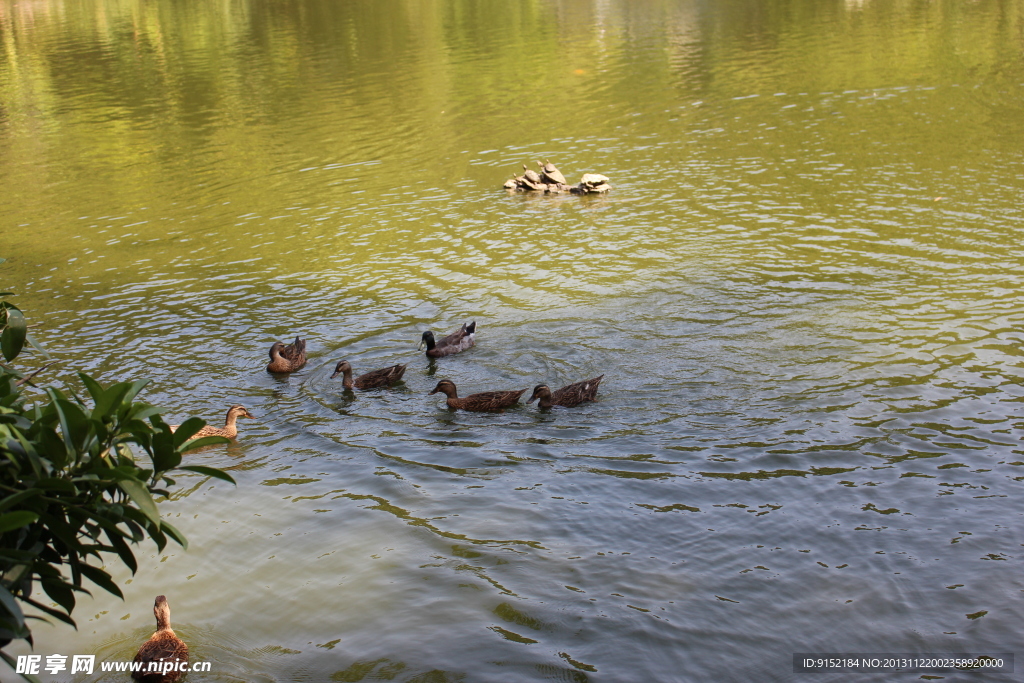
457,341
287,357
570,395
484,401
162,648
229,429
371,380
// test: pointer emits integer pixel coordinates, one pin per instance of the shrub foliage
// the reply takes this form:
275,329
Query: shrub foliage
78,478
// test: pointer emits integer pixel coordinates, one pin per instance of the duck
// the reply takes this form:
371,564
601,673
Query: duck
568,396
162,647
455,342
229,430
482,402
371,380
287,357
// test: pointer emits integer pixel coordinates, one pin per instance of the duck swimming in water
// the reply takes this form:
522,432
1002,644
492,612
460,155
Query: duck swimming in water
485,401
287,357
162,648
455,342
568,396
229,430
371,380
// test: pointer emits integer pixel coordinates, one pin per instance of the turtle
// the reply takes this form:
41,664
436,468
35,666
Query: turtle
551,174
531,176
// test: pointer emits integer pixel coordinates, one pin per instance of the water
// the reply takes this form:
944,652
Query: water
803,291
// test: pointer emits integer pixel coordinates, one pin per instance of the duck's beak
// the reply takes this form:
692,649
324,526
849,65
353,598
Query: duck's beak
532,398
432,392
420,347
335,374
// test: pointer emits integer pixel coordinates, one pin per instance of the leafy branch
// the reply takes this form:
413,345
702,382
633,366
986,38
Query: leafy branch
78,477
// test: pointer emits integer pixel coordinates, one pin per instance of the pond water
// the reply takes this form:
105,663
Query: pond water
804,292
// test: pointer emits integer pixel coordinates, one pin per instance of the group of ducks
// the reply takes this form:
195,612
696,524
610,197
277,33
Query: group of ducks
164,645
286,358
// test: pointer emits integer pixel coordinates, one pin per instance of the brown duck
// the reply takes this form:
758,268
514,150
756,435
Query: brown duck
570,395
484,401
287,357
230,430
162,647
457,341
371,380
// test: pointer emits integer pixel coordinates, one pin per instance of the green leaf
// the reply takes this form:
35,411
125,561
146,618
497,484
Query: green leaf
112,399
13,337
35,345
11,663
134,389
73,422
16,498
8,602
139,494
176,535
165,454
56,484
209,471
18,556
189,427
123,550
51,611
59,528
92,386
60,592
101,579
141,411
16,520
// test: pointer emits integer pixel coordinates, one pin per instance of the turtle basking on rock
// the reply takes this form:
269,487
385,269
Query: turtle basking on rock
552,175
551,181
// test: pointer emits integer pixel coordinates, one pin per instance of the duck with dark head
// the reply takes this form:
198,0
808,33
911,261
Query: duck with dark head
457,341
372,380
568,396
485,401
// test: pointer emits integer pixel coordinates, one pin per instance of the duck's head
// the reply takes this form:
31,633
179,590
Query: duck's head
427,339
162,612
446,387
276,349
540,391
341,367
237,411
